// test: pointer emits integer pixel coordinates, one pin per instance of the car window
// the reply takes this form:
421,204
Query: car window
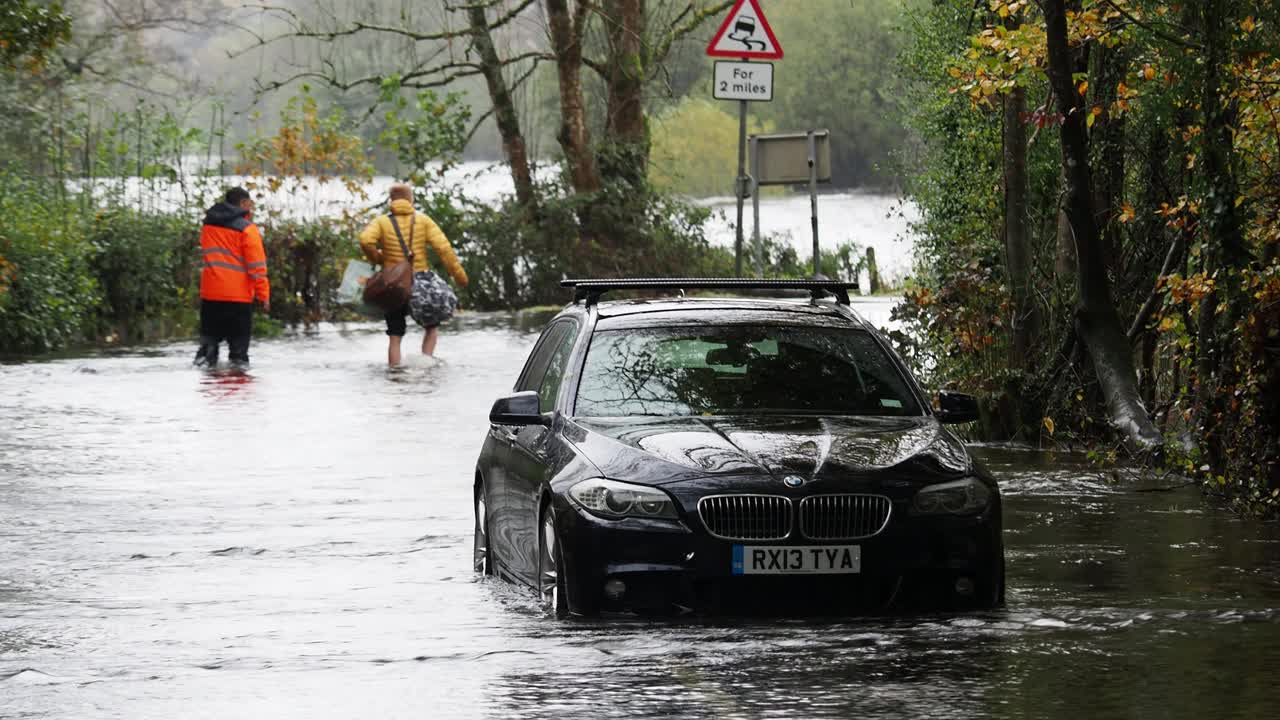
551,340
556,365
717,370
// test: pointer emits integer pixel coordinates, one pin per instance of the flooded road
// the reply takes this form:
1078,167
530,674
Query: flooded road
296,543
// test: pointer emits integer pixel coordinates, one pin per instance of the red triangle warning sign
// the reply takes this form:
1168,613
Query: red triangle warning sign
745,34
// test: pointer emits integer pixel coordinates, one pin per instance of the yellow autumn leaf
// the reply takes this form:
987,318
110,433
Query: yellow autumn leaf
1127,213
1248,24
1049,425
1148,72
1084,87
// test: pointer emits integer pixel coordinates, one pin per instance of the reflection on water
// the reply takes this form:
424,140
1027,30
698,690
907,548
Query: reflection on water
294,542
221,385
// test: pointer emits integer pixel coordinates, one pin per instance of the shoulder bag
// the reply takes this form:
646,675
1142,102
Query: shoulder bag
389,288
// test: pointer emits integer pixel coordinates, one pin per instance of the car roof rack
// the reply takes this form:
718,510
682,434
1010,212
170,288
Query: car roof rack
590,290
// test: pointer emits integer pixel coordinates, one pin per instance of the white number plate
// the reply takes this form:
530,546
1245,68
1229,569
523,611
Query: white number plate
802,560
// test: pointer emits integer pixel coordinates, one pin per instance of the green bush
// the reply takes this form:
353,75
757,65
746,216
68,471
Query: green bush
513,261
147,267
48,293
304,264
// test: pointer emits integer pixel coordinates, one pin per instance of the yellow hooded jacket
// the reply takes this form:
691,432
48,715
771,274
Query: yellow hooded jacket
379,243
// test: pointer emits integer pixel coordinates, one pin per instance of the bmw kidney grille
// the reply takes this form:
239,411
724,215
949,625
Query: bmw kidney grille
771,517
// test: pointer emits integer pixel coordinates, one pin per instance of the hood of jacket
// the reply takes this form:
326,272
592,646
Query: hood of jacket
401,207
227,215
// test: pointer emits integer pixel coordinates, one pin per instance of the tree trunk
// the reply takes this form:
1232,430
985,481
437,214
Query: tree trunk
504,109
1227,253
1065,262
625,153
567,32
1096,318
1017,242
1107,145
508,122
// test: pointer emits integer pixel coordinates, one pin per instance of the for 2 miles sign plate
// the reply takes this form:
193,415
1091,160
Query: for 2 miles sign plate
743,81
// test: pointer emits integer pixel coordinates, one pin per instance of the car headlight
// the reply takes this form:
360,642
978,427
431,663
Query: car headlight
613,499
962,497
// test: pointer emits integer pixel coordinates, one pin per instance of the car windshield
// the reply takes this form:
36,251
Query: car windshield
734,369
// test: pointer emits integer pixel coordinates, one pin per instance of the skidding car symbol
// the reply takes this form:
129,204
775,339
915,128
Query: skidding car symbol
679,454
744,28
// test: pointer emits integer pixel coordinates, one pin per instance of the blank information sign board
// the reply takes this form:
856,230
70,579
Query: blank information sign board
784,159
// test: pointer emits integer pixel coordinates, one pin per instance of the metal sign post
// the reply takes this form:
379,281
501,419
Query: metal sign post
745,34
813,202
757,246
742,81
740,185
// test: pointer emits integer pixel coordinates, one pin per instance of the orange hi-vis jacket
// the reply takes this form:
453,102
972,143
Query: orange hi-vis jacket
235,263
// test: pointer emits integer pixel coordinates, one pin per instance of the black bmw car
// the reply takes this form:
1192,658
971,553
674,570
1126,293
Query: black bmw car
697,454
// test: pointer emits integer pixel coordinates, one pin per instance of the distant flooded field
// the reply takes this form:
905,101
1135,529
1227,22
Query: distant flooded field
866,219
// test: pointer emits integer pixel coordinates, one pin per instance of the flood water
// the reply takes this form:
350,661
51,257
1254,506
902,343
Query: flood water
296,543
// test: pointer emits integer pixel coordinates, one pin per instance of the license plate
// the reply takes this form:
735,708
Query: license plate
802,560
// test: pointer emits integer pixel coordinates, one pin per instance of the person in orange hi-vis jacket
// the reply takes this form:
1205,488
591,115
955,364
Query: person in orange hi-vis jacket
234,275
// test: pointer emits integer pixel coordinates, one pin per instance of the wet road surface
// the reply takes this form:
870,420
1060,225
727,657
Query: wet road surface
295,543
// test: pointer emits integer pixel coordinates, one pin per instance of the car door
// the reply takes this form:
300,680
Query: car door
497,458
530,461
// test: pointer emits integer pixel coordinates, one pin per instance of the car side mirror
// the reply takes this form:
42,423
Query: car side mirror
955,408
522,408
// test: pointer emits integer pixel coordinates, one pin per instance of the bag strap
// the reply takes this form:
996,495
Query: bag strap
413,220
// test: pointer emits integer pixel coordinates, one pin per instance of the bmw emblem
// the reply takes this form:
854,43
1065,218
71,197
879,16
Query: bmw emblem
793,481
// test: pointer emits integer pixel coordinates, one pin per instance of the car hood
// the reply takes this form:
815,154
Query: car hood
661,451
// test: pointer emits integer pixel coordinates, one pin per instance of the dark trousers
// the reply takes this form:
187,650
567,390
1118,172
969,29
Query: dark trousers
397,322
230,321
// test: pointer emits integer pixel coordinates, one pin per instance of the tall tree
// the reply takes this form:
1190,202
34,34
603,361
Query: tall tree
1097,320
567,29
1018,253
514,147
625,155
1227,254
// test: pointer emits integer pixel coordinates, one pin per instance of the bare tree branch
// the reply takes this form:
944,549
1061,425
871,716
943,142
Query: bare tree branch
679,30
447,73
1151,28
299,27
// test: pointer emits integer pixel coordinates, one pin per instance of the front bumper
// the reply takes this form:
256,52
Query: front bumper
666,564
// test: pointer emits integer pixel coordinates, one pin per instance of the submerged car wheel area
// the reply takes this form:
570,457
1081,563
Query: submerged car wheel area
731,454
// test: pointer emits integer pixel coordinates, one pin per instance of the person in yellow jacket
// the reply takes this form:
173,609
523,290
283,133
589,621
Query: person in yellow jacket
379,243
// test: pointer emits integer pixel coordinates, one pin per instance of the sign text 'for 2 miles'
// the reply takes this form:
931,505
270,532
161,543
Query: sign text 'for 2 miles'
743,81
